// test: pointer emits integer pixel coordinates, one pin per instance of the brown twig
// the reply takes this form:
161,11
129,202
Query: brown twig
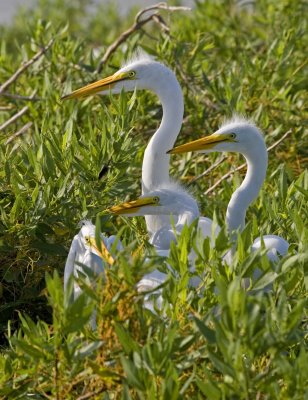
160,21
138,23
91,394
6,108
20,132
14,118
19,97
213,187
24,66
208,170
17,115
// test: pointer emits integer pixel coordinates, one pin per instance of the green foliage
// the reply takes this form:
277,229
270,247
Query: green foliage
232,338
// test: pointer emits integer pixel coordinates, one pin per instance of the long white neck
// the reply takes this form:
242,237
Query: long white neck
155,167
250,187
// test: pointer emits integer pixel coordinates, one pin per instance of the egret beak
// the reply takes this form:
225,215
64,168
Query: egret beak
132,206
96,87
103,252
204,143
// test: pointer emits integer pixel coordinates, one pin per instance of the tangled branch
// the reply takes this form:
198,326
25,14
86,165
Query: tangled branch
16,116
9,82
19,132
25,66
140,20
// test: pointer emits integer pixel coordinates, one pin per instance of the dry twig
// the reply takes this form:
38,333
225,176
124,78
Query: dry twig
91,394
24,66
18,114
138,23
208,170
6,108
14,118
213,187
19,97
20,132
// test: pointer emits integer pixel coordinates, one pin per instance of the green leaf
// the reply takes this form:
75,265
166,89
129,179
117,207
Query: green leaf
88,349
33,351
49,248
131,372
128,344
208,333
209,389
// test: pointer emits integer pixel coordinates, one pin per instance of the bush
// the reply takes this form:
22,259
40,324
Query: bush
63,162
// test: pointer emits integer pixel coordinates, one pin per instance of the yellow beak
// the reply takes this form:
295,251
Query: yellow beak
132,206
205,143
103,252
96,87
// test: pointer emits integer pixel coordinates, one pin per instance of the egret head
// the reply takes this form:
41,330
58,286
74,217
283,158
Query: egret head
142,72
236,135
164,201
88,241
87,229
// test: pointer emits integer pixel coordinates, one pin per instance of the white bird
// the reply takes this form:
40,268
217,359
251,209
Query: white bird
145,73
171,201
241,136
85,252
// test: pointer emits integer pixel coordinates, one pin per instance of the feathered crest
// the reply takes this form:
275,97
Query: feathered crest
238,119
138,55
84,222
176,187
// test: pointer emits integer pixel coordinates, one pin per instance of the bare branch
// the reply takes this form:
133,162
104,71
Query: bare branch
279,140
91,394
208,170
213,187
138,23
121,39
162,6
18,133
17,115
14,118
160,21
209,190
24,66
158,6
19,97
6,108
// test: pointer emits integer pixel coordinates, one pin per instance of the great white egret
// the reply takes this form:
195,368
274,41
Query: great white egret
85,252
172,200
241,136
142,72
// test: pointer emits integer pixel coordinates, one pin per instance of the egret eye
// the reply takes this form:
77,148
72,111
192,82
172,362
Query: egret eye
131,74
156,199
232,135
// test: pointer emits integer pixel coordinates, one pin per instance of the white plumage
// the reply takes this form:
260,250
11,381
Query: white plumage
84,253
